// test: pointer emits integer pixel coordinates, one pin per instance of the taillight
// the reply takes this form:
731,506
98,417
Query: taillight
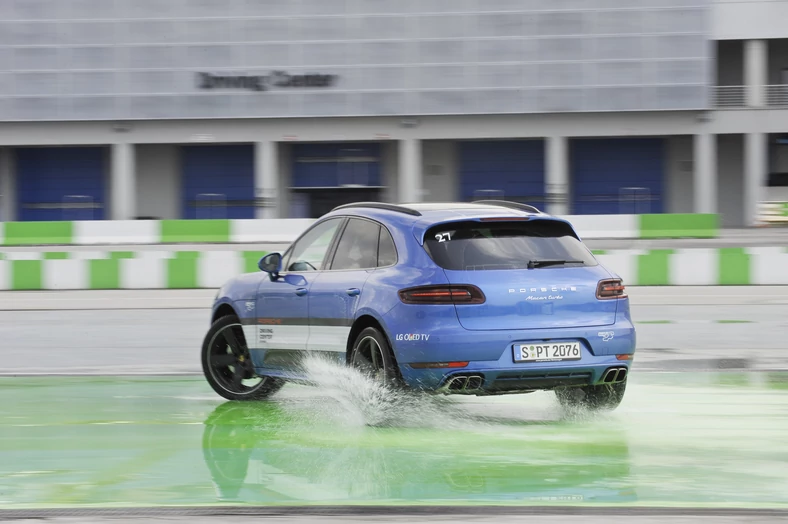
613,288
448,294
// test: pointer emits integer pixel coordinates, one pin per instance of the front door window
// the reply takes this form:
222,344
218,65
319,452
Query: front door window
308,253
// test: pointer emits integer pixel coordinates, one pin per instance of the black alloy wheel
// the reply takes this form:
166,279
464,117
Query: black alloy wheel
372,356
227,364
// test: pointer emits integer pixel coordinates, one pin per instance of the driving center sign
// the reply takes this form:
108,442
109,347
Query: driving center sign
279,79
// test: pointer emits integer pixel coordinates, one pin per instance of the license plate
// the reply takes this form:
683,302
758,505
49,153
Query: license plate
553,352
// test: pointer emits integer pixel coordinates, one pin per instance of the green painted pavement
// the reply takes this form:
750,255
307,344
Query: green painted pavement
679,226
677,440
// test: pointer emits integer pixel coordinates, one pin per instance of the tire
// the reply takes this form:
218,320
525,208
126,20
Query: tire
226,363
604,397
372,355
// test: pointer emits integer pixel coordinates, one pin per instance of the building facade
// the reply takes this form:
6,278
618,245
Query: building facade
124,109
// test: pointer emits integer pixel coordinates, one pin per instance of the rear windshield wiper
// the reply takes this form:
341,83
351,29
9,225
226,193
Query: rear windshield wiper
544,263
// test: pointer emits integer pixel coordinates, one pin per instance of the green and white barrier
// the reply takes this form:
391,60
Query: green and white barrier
773,213
131,232
210,269
123,269
699,267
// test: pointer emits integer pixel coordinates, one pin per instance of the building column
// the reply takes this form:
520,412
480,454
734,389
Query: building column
123,187
557,176
410,174
266,179
756,67
705,173
7,185
755,167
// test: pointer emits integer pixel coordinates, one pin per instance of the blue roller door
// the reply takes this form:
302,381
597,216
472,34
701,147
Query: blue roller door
336,165
509,169
218,181
612,176
60,183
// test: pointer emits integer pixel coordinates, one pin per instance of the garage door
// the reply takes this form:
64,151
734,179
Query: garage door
218,181
60,183
510,169
611,176
336,165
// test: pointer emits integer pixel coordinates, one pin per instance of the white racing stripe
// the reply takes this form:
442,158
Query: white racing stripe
314,338
328,338
279,337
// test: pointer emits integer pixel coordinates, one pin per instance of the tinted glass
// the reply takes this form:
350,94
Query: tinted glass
387,253
475,246
308,253
358,247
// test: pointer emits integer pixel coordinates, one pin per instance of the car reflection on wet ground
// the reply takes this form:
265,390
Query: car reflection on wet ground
700,439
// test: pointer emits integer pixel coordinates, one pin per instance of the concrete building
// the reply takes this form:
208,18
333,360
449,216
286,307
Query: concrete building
121,109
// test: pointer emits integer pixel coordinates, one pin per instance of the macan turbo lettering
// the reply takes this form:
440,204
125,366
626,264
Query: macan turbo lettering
481,298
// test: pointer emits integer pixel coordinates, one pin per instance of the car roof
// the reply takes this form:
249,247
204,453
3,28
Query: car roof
421,216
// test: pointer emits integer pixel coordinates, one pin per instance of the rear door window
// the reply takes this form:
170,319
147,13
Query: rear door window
358,247
387,252
477,246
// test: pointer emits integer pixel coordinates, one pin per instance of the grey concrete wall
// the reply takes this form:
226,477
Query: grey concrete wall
679,184
473,127
441,170
730,182
748,19
138,59
158,180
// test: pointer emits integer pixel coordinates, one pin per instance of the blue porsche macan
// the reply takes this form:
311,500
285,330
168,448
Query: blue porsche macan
483,298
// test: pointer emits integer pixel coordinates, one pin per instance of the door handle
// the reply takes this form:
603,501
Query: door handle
301,291
353,292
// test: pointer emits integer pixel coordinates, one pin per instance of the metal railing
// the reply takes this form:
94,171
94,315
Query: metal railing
777,95
736,96
730,96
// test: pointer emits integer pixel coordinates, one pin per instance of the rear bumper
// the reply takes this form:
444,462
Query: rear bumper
480,379
490,357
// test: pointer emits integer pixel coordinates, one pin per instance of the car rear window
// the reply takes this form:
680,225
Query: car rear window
475,246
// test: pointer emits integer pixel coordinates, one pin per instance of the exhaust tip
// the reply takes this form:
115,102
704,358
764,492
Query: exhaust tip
474,382
457,383
614,375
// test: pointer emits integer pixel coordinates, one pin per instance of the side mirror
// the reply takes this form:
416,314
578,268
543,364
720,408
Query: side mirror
271,264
